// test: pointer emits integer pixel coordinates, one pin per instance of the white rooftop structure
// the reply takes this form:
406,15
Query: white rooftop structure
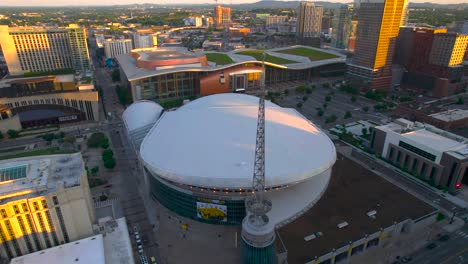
85,251
30,175
112,247
211,142
424,136
133,117
451,115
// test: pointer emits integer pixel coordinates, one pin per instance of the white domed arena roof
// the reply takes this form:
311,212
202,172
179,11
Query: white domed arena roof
140,114
210,142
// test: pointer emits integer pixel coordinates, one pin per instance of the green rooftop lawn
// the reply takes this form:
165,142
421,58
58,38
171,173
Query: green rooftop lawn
49,151
257,54
312,54
219,58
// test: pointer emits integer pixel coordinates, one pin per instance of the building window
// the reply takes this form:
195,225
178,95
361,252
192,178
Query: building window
390,155
44,230
433,173
55,200
418,151
398,157
62,224
25,207
44,204
423,169
25,233
33,231
452,173
3,213
52,227
35,206
16,209
405,163
12,237
5,243
415,165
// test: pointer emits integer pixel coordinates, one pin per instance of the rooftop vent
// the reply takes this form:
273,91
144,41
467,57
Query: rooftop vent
313,236
372,214
343,224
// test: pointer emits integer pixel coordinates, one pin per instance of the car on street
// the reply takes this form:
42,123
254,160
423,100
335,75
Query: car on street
444,238
406,259
431,246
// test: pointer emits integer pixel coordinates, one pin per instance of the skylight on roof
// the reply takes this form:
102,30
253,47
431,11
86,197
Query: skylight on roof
13,173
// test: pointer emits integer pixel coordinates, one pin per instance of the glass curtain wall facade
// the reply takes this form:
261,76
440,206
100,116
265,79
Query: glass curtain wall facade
187,204
169,86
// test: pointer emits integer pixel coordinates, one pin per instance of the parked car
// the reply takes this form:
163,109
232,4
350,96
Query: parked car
431,246
444,238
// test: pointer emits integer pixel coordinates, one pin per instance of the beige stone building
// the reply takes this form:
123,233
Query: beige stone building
45,201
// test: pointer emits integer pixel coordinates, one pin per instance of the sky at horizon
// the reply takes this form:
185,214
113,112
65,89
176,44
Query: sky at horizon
126,2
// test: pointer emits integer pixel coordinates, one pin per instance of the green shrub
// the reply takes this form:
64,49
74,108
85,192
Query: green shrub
12,133
440,216
95,140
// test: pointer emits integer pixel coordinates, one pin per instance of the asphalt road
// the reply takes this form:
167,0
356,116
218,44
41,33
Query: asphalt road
127,176
452,251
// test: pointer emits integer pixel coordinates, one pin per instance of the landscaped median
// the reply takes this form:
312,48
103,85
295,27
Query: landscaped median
312,54
258,55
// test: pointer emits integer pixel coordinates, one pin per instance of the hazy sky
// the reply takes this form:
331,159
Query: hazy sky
120,2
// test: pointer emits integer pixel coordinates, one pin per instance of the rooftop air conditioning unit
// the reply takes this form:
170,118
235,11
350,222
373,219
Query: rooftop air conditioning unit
372,214
343,224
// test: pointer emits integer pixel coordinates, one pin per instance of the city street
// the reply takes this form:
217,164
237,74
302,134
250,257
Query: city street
128,177
452,251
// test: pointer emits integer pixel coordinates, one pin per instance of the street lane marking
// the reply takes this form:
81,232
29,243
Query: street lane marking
456,255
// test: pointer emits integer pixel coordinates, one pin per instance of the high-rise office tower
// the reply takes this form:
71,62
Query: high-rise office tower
36,49
377,30
222,16
309,20
342,26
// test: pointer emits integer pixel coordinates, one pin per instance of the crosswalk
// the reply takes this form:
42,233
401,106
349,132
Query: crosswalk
462,234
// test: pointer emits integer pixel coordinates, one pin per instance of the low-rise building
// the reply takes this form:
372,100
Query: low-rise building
49,99
435,155
111,246
45,201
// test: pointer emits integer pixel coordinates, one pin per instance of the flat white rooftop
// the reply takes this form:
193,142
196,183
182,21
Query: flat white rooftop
451,115
211,142
433,140
112,248
86,251
29,175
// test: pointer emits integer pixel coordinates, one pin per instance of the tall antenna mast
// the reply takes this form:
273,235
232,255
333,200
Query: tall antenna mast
258,235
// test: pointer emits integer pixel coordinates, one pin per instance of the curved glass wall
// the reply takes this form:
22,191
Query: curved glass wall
197,207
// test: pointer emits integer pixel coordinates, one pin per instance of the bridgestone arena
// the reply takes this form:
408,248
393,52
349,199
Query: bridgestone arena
198,159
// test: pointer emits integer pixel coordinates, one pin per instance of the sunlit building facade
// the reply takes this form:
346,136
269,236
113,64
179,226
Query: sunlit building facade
45,202
377,30
38,49
309,21
222,16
